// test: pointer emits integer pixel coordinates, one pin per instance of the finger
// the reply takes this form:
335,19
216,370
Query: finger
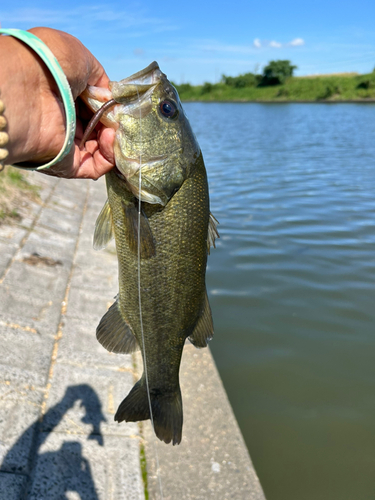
106,138
90,163
99,77
103,140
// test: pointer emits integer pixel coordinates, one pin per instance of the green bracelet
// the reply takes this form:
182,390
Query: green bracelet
66,94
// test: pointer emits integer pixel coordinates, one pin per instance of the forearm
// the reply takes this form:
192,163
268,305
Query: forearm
22,80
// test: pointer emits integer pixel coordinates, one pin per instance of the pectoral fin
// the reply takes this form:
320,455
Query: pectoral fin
204,329
213,233
114,333
131,230
103,228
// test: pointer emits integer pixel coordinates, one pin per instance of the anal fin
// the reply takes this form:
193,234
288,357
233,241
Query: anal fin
114,333
204,329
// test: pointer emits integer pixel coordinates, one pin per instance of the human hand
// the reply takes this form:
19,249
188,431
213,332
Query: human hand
35,113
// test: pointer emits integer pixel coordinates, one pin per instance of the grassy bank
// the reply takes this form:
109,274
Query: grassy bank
15,193
319,88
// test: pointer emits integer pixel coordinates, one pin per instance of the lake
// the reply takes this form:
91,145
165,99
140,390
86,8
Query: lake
292,288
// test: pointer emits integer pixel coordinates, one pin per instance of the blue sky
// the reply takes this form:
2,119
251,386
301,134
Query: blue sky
199,41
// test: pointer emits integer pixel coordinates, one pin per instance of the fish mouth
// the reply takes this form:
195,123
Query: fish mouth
137,84
146,76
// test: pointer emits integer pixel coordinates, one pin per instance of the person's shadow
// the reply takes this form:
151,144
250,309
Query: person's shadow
64,470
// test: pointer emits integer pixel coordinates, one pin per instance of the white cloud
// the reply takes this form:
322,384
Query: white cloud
138,52
297,42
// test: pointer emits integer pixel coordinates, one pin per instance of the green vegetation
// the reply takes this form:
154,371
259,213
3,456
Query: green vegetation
15,193
277,84
143,463
241,81
276,73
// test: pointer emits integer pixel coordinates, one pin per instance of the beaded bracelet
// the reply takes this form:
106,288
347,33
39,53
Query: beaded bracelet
4,138
66,94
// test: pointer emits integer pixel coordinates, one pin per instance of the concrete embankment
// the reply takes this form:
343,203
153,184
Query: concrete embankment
59,389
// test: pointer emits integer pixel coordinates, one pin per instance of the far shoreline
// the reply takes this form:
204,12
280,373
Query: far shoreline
320,101
330,89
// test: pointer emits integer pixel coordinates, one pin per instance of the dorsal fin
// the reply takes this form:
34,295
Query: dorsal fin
213,233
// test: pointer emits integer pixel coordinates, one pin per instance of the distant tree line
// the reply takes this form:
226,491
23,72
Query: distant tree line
275,84
275,73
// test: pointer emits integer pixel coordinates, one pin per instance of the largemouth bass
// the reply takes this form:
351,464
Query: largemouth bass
175,230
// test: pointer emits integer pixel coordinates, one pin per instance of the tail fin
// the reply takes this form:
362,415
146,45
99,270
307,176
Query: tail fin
166,411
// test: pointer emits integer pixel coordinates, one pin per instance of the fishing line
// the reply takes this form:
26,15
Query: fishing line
139,293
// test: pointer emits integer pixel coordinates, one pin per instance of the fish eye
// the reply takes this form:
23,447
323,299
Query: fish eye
168,109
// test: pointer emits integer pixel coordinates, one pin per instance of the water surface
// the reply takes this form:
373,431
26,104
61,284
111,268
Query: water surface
292,288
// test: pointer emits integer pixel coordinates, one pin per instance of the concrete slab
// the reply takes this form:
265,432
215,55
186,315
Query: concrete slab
20,408
25,355
68,202
11,486
99,277
10,239
6,255
48,243
29,310
61,221
12,235
86,304
29,210
45,183
79,347
93,472
42,282
84,399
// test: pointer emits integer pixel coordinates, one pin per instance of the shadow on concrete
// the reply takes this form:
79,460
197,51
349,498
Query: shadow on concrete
63,470
91,403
